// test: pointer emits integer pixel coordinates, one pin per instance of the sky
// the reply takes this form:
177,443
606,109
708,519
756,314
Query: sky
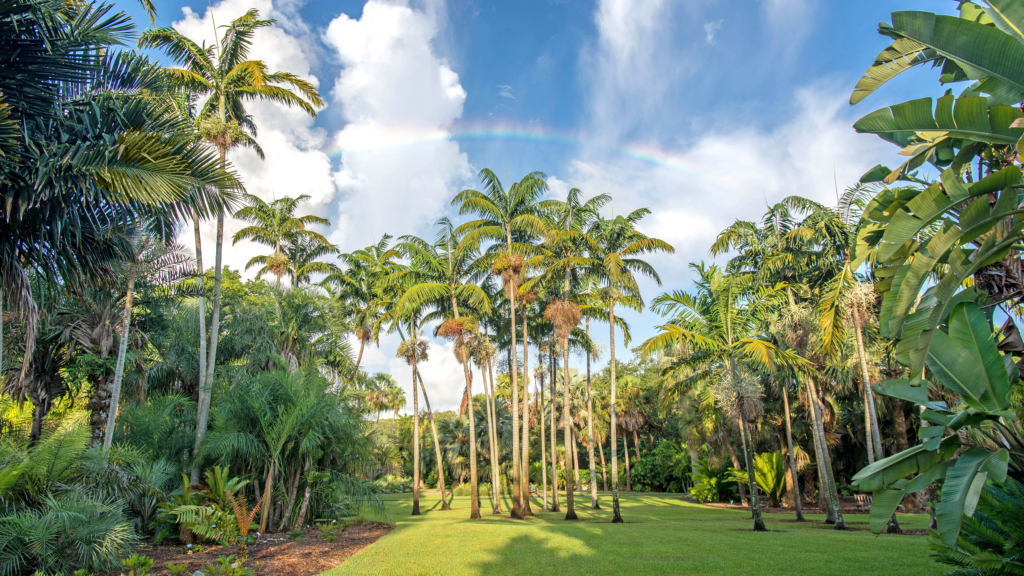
703,111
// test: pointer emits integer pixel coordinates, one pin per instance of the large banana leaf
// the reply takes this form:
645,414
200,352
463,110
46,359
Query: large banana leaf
914,460
1008,16
901,55
962,488
968,118
983,52
967,361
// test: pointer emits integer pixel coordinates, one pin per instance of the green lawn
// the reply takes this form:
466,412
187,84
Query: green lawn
662,535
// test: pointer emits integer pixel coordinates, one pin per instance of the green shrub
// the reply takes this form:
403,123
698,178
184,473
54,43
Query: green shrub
226,566
138,565
991,542
713,482
65,533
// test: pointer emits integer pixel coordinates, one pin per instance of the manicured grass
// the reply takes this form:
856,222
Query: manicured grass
662,535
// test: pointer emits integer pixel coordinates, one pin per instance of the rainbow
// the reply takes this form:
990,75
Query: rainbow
531,135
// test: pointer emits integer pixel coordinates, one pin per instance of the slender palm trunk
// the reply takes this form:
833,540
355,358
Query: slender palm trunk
416,443
616,515
636,444
122,353
268,493
594,504
492,445
300,521
570,508
359,358
437,444
871,425
575,459
554,434
203,393
543,441
625,451
755,499
827,463
824,496
525,469
474,486
495,473
604,469
792,458
736,464
517,511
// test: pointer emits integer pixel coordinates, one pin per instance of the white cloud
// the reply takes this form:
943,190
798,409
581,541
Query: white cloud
399,166
505,91
710,28
295,163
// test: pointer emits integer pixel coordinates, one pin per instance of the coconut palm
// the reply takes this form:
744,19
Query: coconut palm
510,219
615,261
275,225
223,73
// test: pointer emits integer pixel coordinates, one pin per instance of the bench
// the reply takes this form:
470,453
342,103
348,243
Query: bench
863,501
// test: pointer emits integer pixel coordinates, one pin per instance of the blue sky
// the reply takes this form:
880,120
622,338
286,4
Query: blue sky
699,110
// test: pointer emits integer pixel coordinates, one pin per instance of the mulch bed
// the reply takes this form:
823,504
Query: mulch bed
277,554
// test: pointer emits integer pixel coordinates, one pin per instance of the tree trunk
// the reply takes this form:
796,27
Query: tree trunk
795,490
543,440
604,469
755,500
575,459
359,358
517,511
828,475
875,451
636,444
416,439
211,361
525,453
625,450
293,492
474,487
491,444
202,416
268,492
437,444
38,414
301,520
554,433
899,422
495,459
594,504
616,514
570,508
122,353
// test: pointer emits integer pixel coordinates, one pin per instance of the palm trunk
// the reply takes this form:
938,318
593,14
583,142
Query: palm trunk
517,511
874,437
570,508
492,445
543,441
604,469
211,361
636,444
359,358
625,450
474,487
122,353
827,471
496,453
755,499
301,520
575,459
792,458
416,440
268,491
616,515
594,504
293,492
736,464
824,495
554,434
437,444
525,468
202,391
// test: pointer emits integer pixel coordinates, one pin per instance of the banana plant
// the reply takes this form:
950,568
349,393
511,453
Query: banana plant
924,246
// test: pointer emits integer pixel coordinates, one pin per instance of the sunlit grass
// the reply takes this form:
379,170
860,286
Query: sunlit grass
663,535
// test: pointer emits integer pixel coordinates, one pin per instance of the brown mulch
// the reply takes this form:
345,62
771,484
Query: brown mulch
276,554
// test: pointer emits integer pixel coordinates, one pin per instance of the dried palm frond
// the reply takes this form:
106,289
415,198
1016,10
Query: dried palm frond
565,316
413,350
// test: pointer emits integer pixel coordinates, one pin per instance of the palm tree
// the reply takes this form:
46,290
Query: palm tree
719,332
615,263
304,256
414,351
275,225
224,74
509,219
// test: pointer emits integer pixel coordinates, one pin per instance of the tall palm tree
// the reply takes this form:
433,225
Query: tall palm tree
223,73
510,219
275,225
615,262
304,260
414,351
719,332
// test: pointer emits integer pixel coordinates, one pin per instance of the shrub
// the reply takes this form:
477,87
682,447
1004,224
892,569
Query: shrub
138,565
991,542
65,533
712,482
226,566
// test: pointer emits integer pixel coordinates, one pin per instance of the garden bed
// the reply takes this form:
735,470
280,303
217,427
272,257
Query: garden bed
278,554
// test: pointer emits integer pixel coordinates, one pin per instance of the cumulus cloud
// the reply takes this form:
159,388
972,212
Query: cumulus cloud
399,167
710,28
295,163
505,91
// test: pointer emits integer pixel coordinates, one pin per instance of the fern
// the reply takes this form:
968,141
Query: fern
991,542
